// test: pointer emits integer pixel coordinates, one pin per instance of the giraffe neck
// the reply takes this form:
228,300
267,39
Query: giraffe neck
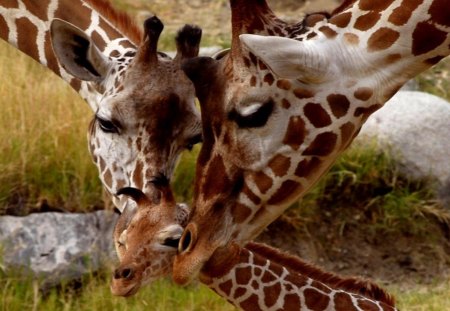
25,24
379,46
258,277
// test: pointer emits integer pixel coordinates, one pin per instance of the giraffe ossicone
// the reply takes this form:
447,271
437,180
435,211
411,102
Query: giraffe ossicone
287,100
143,104
253,277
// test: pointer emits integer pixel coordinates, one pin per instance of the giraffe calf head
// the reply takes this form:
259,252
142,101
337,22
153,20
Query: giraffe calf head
146,239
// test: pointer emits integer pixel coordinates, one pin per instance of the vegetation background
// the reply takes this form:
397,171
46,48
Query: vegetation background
44,164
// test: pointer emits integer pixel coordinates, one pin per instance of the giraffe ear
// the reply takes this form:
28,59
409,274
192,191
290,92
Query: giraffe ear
289,58
77,53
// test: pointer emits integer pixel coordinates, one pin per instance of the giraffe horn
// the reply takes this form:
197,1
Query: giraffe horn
289,58
188,42
152,30
137,195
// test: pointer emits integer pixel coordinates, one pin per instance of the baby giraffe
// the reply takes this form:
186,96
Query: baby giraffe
254,277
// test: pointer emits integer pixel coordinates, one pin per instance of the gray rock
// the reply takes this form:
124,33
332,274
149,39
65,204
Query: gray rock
415,128
56,246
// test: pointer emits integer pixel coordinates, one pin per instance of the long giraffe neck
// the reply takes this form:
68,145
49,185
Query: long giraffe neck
378,46
258,277
25,24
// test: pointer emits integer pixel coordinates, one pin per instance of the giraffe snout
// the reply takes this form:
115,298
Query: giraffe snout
126,273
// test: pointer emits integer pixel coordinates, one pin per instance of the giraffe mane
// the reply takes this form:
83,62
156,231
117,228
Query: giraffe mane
356,285
121,20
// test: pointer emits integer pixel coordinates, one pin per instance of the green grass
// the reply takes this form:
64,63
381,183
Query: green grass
93,294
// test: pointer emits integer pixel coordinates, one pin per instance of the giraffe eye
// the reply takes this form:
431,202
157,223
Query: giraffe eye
194,141
253,117
107,126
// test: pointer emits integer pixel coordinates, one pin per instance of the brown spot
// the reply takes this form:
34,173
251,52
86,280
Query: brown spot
382,39
251,303
269,79
427,37
247,62
367,305
401,15
262,181
280,165
366,111
121,183
434,60
439,11
286,104
4,30
249,193
308,167
292,302
239,292
317,115
315,300
392,58
25,31
138,174
311,35
107,178
392,91
341,20
10,4
295,133
253,59
343,301
102,164
243,276
271,294
257,271
38,10
313,19
301,93
363,93
226,287
371,5
212,184
322,145
268,277
284,84
339,104
262,66
240,213
347,131
328,32
285,192
367,21
253,81
351,38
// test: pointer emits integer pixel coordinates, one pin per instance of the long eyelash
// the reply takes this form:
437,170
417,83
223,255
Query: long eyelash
257,119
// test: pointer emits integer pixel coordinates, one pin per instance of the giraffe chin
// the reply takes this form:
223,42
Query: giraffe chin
117,289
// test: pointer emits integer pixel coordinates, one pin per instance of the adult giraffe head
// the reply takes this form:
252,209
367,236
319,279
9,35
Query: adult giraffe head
146,116
143,103
279,108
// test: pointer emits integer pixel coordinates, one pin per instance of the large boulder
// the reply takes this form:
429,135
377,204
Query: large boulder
414,127
56,246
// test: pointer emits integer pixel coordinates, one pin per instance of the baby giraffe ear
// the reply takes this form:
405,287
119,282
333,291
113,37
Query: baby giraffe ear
77,53
289,58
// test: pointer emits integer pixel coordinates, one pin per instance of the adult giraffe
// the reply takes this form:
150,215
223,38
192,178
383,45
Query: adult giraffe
279,109
253,277
143,103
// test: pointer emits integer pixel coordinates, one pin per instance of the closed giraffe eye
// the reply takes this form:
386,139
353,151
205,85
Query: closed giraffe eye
107,126
193,141
253,116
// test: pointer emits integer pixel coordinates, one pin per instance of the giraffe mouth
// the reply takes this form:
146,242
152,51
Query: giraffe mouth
118,290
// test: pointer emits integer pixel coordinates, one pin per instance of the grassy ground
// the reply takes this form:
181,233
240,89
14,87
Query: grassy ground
21,295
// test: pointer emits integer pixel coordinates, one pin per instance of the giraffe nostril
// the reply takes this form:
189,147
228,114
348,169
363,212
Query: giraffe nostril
185,241
125,273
